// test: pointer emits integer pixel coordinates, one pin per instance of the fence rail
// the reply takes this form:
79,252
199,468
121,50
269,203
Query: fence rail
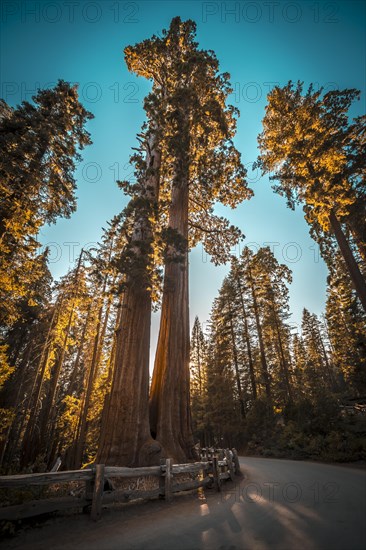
215,466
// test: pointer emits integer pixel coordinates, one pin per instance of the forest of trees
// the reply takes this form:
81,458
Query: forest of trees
261,385
74,353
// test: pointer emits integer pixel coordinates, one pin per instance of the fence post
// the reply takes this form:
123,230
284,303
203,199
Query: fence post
216,473
89,487
168,480
230,464
162,479
57,464
236,462
96,509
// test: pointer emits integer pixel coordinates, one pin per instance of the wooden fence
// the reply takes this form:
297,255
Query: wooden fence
215,466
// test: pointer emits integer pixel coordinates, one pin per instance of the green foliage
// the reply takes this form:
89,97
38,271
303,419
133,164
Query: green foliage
253,384
310,374
346,323
317,157
194,128
39,146
259,422
310,430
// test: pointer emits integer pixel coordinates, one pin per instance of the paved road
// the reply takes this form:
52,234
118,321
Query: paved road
280,504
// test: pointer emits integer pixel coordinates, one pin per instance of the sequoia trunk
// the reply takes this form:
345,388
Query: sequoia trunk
170,418
125,434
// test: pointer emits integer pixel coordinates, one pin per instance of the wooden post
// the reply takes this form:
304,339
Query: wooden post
230,464
89,487
237,463
56,466
96,509
216,474
162,479
168,480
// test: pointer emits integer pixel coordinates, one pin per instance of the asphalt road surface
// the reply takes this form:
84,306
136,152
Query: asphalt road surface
279,504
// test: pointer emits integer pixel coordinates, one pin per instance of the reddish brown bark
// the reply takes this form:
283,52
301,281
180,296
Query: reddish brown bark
170,417
125,434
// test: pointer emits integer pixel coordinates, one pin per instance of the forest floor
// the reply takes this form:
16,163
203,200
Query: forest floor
278,504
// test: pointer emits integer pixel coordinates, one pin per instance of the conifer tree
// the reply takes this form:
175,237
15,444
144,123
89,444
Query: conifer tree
224,397
201,166
318,159
253,286
198,382
272,279
125,433
39,146
241,288
66,321
346,324
318,371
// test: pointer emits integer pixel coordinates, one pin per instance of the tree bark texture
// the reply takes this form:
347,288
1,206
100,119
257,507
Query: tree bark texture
170,417
353,269
125,434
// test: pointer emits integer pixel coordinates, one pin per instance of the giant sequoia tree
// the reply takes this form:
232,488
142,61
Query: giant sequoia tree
74,355
318,159
125,433
202,167
190,164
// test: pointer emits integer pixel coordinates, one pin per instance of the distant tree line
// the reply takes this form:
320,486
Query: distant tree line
260,385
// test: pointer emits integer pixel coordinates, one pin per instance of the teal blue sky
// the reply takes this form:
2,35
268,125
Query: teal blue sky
259,43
